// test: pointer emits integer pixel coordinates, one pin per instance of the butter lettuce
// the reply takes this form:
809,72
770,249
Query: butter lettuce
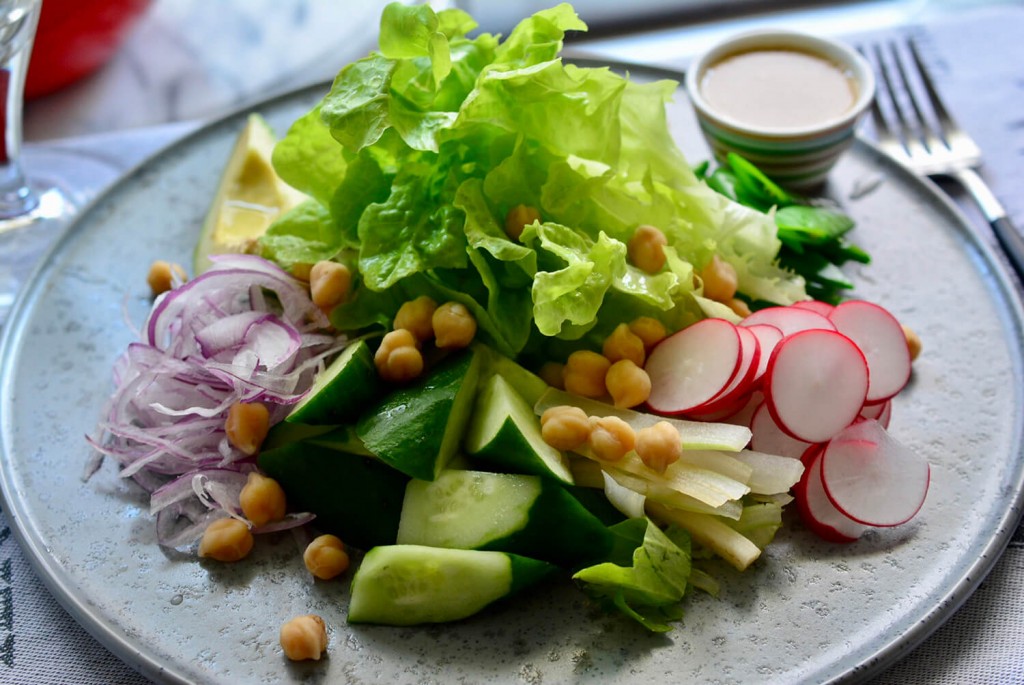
647,579
419,151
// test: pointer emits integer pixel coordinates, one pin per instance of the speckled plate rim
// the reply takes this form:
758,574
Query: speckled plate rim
59,582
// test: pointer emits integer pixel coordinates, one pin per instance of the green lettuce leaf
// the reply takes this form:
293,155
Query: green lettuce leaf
308,157
649,585
304,235
420,150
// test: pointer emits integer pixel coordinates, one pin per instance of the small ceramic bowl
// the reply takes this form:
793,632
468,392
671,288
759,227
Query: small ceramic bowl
798,156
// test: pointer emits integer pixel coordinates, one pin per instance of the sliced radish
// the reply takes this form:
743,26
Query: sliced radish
812,451
873,479
815,384
690,367
817,512
789,320
880,411
744,416
823,308
881,338
724,414
768,336
768,437
730,399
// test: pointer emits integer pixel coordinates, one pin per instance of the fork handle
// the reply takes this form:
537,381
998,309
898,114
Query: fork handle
1011,241
1009,238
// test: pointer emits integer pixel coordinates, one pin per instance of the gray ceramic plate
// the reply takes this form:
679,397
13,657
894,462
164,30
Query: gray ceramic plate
808,611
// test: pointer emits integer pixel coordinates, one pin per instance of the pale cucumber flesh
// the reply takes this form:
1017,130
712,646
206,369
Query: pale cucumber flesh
466,509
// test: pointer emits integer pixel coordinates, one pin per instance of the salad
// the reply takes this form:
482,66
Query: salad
501,332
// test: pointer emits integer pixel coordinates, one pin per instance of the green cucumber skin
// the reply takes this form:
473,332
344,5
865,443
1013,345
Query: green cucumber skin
547,524
335,403
579,538
443,584
528,384
509,460
355,497
285,433
517,445
596,502
422,448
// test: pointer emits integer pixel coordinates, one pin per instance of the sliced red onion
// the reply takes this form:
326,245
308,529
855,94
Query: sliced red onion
244,331
287,523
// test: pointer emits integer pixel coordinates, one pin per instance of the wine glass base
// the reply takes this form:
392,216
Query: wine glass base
53,204
24,240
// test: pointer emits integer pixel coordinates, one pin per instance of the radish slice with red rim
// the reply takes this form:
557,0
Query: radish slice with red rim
725,414
744,416
815,384
692,366
823,308
880,411
873,479
881,338
768,437
768,336
789,320
817,511
730,399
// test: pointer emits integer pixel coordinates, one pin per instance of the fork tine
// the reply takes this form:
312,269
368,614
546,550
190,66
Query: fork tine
943,115
909,133
883,132
927,134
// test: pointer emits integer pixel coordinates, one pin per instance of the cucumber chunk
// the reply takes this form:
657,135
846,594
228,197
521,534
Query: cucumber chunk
526,383
505,432
521,514
355,497
412,584
342,391
284,433
418,428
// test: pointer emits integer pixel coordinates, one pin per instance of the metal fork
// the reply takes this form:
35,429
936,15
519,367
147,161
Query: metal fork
910,137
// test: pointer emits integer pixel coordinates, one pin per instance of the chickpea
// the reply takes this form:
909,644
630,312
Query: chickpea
624,344
659,445
739,307
720,280
226,539
646,249
415,316
585,372
913,342
329,283
399,364
164,276
247,426
553,374
326,557
454,326
628,384
518,218
649,330
397,358
304,637
400,337
262,499
564,428
610,437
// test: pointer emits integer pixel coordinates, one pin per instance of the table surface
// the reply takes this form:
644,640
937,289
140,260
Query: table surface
191,60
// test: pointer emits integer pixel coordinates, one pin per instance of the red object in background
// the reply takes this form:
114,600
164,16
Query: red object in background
76,37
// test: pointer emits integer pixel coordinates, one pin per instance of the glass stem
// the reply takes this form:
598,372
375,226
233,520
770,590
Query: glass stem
16,196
